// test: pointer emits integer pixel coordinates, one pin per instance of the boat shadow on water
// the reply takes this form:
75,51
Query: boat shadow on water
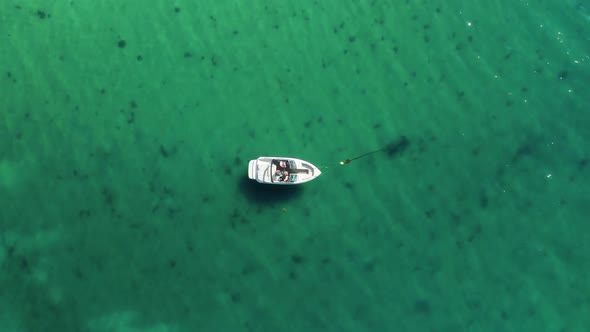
266,193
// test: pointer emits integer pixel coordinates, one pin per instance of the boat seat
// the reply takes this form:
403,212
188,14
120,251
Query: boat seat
292,177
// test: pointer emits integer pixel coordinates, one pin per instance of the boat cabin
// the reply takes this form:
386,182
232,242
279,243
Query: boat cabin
283,170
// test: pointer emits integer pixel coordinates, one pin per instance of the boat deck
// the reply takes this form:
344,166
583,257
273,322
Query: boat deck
272,169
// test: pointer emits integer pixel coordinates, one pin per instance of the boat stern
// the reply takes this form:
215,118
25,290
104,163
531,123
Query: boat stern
252,170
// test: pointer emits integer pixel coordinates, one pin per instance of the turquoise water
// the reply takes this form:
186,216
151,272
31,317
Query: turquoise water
126,130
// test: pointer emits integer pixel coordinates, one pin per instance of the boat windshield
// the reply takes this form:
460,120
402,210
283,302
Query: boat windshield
284,164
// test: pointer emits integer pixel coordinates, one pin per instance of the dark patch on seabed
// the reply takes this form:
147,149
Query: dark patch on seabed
397,147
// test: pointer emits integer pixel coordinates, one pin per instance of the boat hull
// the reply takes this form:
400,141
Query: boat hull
264,170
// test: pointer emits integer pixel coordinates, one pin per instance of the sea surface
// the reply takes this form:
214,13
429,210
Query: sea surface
126,128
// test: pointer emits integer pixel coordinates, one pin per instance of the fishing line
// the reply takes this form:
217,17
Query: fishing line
391,149
348,161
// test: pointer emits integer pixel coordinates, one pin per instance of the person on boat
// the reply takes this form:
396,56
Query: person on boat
279,175
285,176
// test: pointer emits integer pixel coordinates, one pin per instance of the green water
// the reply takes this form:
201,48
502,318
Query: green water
126,128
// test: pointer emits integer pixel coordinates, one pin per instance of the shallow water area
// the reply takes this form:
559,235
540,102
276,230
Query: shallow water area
126,131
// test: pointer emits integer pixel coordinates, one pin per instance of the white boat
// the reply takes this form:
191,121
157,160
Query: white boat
282,170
